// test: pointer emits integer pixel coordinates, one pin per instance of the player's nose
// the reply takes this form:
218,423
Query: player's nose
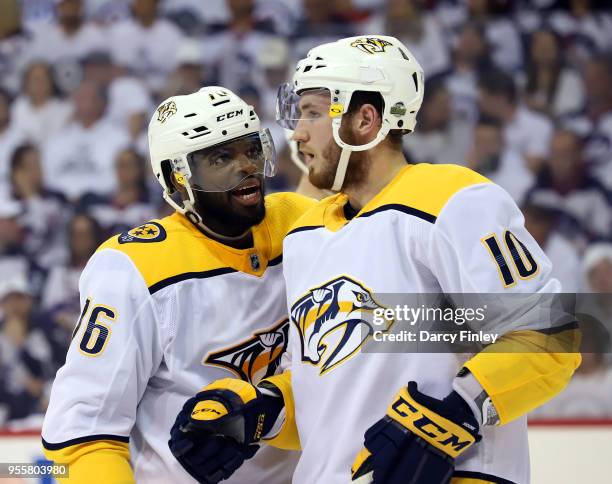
247,165
300,133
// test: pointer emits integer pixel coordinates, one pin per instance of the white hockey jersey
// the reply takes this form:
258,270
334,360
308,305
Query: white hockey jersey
165,311
433,229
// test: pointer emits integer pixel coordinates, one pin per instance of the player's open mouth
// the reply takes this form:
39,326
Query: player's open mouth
248,192
308,159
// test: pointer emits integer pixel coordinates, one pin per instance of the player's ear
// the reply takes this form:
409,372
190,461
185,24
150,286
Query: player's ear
367,122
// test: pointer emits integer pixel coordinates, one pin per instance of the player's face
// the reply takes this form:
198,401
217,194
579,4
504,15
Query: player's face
229,212
316,144
227,183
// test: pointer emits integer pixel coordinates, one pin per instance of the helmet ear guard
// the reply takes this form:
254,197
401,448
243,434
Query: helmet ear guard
166,174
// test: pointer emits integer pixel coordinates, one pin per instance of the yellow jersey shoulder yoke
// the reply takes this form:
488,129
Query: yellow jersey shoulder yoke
172,249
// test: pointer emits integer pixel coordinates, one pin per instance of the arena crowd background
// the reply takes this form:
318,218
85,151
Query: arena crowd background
519,90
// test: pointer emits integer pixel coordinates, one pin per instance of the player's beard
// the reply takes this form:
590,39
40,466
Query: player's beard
358,166
220,215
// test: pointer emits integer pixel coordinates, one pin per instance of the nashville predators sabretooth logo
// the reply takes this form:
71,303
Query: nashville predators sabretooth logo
257,357
332,315
371,45
165,111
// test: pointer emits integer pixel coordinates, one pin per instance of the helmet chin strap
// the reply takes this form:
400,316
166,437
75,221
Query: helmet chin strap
347,149
189,211
341,169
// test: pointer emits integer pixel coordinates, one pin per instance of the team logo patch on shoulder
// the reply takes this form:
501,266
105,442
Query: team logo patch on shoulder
330,321
371,45
149,232
165,111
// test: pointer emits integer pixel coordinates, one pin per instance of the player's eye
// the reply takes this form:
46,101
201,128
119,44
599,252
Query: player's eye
254,151
219,158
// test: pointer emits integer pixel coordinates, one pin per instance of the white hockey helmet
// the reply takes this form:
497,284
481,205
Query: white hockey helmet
374,63
212,117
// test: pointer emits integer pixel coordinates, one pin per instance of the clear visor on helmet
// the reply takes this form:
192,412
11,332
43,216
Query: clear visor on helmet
309,104
223,167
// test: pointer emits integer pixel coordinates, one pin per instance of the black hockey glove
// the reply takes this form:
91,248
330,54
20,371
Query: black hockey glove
219,428
418,440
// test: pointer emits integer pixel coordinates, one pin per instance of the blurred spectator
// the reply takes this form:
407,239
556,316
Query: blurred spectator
564,184
130,204
565,259
549,85
146,44
320,22
470,57
12,232
69,40
45,212
129,99
188,76
37,12
24,351
237,45
60,297
80,158
274,61
598,269
502,34
193,15
526,132
39,113
597,272
14,44
129,109
282,14
419,30
439,136
587,30
10,138
12,247
594,121
98,67
107,12
491,156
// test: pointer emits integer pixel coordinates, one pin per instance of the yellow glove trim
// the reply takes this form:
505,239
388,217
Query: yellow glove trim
243,389
443,434
359,460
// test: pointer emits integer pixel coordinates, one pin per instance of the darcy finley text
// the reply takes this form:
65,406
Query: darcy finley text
427,336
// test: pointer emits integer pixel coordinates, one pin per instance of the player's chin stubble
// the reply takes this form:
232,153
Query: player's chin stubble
358,167
221,215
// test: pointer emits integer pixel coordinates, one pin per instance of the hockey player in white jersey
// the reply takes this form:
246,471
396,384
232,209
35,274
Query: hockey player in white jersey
395,227
176,303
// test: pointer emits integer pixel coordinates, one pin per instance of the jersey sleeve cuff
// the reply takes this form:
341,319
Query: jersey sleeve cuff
470,389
